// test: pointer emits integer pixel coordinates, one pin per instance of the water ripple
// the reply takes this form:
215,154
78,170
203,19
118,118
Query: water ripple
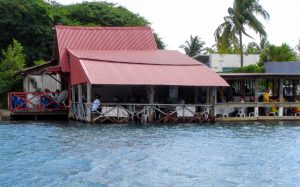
75,154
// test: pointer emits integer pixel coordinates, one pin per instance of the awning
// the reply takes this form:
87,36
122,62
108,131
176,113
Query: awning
148,68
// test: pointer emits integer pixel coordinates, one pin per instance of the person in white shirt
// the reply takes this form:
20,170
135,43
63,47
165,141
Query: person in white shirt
96,103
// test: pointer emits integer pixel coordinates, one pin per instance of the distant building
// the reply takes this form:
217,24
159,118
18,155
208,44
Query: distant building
283,67
225,62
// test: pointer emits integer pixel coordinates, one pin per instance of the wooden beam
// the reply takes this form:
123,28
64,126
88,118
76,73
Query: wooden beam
88,103
256,89
256,111
207,98
213,102
280,110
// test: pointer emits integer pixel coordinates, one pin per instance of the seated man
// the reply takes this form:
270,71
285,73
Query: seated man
241,110
273,109
96,103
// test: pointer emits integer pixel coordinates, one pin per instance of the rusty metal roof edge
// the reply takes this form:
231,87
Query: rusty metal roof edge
32,68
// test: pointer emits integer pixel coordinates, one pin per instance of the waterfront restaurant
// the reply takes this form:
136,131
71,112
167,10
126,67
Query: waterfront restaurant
133,78
243,100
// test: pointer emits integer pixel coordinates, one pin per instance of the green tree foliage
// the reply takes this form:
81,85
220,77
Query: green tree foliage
13,61
193,46
31,22
39,62
97,13
273,53
28,22
243,13
159,42
253,68
254,48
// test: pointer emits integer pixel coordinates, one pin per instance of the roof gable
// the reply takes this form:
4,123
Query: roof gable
102,38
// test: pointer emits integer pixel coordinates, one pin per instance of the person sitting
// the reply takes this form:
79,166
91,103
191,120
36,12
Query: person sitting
96,103
296,110
274,109
56,94
241,110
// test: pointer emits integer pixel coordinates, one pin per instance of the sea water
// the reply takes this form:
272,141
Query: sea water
76,154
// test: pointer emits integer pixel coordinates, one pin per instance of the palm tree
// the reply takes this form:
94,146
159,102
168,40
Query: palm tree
243,13
254,48
194,46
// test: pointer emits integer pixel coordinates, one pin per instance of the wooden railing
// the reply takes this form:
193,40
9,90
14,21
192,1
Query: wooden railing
125,112
35,102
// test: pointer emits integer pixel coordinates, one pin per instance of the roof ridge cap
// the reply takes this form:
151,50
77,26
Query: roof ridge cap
103,27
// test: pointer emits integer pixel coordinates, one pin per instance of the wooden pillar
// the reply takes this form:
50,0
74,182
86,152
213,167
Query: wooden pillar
151,94
79,98
213,102
256,96
151,101
243,88
280,110
79,87
294,89
88,106
71,114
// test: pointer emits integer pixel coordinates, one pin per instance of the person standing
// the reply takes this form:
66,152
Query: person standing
266,99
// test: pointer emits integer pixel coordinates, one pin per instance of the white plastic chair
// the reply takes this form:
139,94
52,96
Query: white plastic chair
241,112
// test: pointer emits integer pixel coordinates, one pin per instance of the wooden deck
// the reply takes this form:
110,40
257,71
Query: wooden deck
258,118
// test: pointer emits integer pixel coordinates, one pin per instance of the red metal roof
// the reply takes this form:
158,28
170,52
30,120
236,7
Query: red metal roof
148,68
102,38
156,57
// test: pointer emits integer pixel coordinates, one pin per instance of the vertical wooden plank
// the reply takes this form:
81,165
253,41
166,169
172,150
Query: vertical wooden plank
151,94
79,87
88,103
79,98
214,102
256,96
71,115
256,89
151,101
280,111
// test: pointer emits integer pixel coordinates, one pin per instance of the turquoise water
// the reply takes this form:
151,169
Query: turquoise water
75,154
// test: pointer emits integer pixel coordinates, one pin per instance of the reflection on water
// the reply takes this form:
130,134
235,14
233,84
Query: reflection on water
75,154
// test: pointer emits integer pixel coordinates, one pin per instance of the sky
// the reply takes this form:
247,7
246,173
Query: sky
176,20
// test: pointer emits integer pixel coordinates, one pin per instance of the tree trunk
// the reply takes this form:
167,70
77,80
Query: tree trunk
241,49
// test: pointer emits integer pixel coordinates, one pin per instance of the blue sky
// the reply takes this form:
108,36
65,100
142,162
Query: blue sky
176,20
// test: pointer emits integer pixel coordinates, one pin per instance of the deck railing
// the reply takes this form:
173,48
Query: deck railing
124,112
35,102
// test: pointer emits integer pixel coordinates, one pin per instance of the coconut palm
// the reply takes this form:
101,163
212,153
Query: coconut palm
254,48
194,46
242,14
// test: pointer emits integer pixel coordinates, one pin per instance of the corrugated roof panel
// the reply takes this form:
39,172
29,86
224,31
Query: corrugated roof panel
158,57
102,38
108,73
